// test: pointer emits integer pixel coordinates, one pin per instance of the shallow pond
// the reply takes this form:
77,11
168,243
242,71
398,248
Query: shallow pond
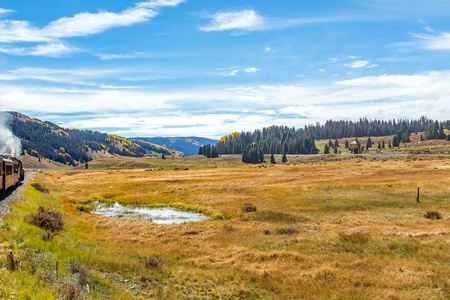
157,215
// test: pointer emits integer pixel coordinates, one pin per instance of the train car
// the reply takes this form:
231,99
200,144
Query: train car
11,172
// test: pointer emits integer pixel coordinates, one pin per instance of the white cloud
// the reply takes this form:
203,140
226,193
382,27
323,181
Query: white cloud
321,70
119,56
4,11
159,3
252,70
360,64
81,24
20,31
435,41
67,76
232,72
246,19
269,50
357,64
235,108
49,50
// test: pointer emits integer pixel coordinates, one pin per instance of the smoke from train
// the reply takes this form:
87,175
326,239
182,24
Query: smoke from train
9,143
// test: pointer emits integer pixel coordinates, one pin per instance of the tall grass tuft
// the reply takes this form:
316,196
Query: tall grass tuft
355,237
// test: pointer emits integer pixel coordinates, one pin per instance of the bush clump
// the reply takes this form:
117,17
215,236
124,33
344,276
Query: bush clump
287,230
433,215
248,207
40,188
152,261
49,220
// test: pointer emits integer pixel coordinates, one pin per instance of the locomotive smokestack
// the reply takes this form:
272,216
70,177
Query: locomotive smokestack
9,143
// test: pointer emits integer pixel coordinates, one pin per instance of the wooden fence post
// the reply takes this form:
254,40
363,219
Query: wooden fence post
418,195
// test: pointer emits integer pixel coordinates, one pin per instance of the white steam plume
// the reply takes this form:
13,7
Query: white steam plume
9,143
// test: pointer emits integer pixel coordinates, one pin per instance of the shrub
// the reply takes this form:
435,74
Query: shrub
287,230
47,219
12,261
433,215
77,269
152,261
72,292
40,188
248,207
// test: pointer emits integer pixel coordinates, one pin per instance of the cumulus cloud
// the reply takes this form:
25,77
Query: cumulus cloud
235,107
246,19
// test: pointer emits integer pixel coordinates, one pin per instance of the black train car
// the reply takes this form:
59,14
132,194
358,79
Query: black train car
11,172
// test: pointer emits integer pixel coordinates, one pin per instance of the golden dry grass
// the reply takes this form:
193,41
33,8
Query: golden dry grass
355,230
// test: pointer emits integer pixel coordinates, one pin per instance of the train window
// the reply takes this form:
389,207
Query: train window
9,170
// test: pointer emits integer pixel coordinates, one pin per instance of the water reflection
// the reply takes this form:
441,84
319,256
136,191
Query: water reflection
157,215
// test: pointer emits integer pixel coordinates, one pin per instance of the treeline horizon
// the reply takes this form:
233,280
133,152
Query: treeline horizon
283,139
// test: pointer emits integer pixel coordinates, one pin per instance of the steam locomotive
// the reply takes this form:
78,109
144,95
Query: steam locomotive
11,172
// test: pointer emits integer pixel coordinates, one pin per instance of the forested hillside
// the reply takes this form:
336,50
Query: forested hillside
281,139
73,146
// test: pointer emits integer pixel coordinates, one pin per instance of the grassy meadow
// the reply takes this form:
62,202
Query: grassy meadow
331,227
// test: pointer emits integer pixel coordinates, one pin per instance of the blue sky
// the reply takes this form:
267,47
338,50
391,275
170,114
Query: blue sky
209,68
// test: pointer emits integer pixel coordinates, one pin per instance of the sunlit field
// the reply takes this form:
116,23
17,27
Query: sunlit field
336,227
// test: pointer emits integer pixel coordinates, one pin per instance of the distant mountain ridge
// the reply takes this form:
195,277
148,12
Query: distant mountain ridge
188,145
74,146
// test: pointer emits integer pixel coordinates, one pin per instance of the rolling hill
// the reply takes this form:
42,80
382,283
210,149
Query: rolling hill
188,145
74,146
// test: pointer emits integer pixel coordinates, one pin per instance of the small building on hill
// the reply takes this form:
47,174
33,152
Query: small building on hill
354,147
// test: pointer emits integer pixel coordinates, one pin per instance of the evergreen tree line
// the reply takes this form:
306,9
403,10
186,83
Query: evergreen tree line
208,151
365,127
275,139
71,146
436,131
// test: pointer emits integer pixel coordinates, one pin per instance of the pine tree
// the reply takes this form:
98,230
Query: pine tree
284,158
390,145
326,150
395,142
346,144
200,151
335,151
261,155
336,143
369,143
382,145
245,156
214,152
379,145
272,159
163,157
